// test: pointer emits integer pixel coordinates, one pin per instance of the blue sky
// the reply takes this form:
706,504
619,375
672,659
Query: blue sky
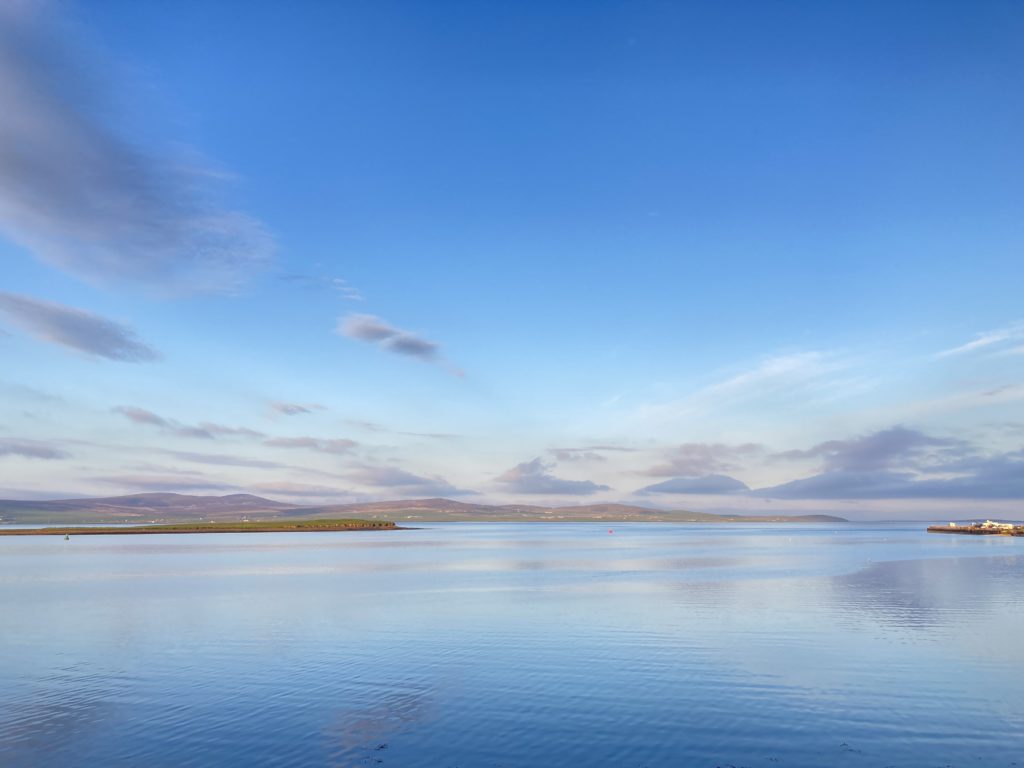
716,256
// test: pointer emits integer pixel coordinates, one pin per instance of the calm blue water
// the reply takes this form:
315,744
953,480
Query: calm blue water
515,645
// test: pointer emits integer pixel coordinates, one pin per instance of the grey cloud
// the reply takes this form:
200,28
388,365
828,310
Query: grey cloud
534,477
407,344
1002,478
221,429
707,484
888,448
31,449
374,330
900,463
75,329
366,328
563,454
294,409
338,446
141,415
205,430
698,459
84,197
586,452
402,482
197,432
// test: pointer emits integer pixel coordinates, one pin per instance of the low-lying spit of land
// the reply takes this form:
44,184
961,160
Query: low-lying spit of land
255,526
988,528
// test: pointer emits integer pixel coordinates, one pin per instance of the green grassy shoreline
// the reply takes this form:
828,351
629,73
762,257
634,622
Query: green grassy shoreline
255,526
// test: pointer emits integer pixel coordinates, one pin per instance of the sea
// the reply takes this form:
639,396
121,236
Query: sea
492,644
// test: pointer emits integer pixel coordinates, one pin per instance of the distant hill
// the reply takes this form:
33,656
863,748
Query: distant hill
139,507
180,507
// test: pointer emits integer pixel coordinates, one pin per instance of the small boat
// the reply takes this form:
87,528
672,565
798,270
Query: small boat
67,537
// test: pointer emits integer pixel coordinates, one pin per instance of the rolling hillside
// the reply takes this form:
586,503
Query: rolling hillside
178,507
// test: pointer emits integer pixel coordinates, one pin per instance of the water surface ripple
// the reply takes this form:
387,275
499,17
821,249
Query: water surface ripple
515,645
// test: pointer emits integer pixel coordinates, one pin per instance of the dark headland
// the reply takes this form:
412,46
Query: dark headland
155,508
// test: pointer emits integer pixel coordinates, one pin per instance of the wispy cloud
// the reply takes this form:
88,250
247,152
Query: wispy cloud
587,452
337,446
808,376
405,483
368,426
205,430
141,416
372,426
225,460
31,449
75,329
83,197
334,284
988,339
535,477
373,330
222,429
294,409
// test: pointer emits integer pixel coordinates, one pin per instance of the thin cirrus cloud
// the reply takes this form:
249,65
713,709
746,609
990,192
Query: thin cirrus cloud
205,430
86,199
534,477
373,330
334,284
224,460
999,338
75,329
294,409
805,376
587,452
336,446
31,449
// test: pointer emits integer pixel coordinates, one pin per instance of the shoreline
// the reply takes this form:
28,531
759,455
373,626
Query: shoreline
291,526
977,530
